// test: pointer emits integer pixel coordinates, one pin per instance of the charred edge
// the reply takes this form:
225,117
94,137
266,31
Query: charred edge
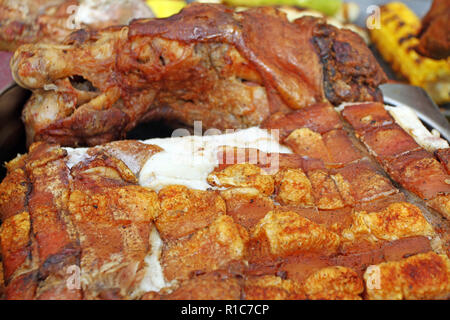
343,82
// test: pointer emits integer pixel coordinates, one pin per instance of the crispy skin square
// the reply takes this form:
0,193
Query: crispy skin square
272,288
306,142
444,157
361,182
334,283
340,148
421,173
423,276
389,141
286,233
184,211
209,249
294,188
319,117
398,220
325,192
367,116
122,205
246,205
243,175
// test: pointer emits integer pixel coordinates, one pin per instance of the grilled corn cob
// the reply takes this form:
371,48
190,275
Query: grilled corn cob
396,40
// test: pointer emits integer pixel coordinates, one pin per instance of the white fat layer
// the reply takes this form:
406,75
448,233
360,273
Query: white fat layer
188,160
153,279
406,118
75,155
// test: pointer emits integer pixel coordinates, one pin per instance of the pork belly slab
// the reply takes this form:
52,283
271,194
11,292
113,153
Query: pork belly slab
207,63
224,220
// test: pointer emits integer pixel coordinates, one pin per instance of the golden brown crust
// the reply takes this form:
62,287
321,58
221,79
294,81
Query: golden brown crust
243,175
209,249
306,231
286,233
334,283
398,220
423,276
294,188
210,286
325,191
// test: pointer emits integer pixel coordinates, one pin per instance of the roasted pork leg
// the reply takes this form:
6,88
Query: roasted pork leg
208,63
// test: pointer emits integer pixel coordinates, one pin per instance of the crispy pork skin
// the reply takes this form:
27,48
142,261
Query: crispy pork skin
331,227
424,275
77,225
